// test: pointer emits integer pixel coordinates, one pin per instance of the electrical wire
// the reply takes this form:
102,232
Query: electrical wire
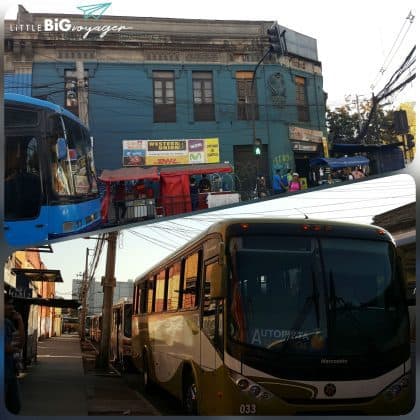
385,65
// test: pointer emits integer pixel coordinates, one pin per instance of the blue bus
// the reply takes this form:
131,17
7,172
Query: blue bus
50,181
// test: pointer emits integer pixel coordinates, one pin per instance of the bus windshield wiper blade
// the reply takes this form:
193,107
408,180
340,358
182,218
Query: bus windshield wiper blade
300,319
315,297
346,310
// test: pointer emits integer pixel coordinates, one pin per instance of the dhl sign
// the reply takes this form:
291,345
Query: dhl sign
170,152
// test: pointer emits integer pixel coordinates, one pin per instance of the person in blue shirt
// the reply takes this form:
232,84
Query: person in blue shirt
279,183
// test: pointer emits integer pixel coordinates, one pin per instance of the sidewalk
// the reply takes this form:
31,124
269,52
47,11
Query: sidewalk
65,382
55,385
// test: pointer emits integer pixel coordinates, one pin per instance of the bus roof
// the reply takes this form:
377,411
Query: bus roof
363,230
40,103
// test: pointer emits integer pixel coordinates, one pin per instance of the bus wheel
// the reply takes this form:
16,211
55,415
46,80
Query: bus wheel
189,395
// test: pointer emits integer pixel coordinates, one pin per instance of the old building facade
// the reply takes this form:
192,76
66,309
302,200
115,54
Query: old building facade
155,78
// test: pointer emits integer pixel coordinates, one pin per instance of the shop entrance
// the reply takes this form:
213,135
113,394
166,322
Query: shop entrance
302,165
248,166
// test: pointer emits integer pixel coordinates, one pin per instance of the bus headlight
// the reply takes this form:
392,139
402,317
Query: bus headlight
395,389
250,387
242,384
255,389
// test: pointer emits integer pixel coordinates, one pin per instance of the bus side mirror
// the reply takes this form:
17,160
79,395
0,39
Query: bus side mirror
218,282
61,148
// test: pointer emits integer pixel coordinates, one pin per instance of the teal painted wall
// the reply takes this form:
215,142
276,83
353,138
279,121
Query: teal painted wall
121,107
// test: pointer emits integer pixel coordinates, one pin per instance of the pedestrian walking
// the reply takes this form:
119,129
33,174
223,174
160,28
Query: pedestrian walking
261,187
280,184
295,183
289,176
13,340
204,185
193,194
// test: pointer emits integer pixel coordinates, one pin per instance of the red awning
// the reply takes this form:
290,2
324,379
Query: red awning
209,168
129,174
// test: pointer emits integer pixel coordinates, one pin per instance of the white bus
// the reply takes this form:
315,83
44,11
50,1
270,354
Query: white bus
277,317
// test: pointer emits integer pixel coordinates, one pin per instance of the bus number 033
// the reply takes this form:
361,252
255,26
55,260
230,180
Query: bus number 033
248,409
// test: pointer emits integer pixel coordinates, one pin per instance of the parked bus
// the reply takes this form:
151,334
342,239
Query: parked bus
277,316
121,333
96,328
50,180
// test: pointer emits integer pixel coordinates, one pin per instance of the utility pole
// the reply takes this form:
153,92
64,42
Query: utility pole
358,112
108,283
82,93
356,102
85,288
253,96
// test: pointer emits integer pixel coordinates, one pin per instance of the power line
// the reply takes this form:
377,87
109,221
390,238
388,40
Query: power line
385,65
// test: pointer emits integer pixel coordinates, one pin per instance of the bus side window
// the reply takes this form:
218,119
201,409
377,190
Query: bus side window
142,308
160,292
212,310
151,295
136,294
23,193
190,282
174,278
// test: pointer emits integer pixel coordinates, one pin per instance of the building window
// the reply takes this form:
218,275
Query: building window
247,102
8,45
203,96
164,107
301,99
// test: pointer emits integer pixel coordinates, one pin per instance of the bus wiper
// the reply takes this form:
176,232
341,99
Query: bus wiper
300,319
347,306
315,297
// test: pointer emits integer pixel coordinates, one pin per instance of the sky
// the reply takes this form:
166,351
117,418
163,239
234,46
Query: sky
356,39
141,247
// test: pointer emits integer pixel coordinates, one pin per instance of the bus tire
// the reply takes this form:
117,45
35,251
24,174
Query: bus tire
189,394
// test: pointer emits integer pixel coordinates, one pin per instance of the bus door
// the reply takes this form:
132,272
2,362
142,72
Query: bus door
26,218
211,346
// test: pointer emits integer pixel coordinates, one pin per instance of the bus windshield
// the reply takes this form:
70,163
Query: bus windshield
75,173
315,296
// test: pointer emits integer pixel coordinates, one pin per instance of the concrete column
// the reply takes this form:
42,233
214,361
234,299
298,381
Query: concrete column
108,283
82,93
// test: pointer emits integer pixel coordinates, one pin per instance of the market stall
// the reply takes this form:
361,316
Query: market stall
332,170
139,205
175,188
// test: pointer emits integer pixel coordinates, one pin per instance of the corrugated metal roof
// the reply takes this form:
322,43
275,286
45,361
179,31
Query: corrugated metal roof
20,83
